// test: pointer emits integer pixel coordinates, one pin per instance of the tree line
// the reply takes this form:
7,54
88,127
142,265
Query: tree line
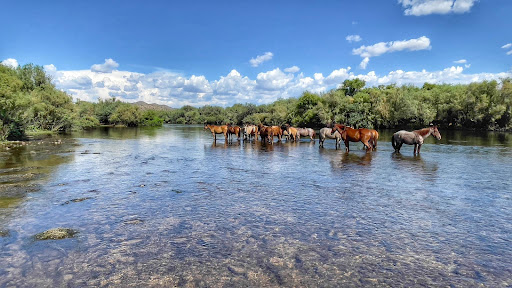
479,105
29,102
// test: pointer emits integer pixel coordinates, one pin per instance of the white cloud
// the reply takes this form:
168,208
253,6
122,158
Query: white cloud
422,43
255,62
176,90
506,46
364,63
427,7
509,52
461,61
106,67
10,62
273,80
293,69
353,38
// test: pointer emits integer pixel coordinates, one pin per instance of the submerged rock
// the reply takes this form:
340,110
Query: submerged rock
56,234
4,233
76,200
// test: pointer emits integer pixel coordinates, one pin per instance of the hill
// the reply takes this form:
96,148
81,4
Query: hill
146,106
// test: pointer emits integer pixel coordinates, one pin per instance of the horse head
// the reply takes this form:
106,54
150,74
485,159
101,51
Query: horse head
435,132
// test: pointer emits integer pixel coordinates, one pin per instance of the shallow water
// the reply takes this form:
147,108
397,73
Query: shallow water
167,207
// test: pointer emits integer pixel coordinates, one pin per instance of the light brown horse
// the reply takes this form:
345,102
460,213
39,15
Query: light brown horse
217,130
413,138
349,134
292,132
277,131
266,133
234,130
306,132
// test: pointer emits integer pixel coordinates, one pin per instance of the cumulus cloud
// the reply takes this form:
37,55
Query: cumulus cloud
273,80
293,69
176,90
10,62
422,43
106,67
461,61
353,38
427,7
255,62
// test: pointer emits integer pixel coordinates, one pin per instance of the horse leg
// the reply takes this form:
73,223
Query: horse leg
346,146
419,147
415,147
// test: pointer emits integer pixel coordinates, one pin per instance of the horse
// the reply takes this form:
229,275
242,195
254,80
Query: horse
349,134
306,132
292,132
217,130
326,133
375,137
277,131
250,131
266,133
234,130
415,138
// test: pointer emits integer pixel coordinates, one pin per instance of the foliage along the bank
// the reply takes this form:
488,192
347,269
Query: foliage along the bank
29,101
482,105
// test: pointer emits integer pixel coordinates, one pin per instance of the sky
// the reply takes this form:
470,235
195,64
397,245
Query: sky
225,52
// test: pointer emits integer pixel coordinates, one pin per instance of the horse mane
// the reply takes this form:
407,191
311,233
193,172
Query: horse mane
423,132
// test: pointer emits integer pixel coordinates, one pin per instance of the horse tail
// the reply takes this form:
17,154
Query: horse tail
393,141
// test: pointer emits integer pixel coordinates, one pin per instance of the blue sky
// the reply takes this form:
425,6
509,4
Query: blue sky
225,52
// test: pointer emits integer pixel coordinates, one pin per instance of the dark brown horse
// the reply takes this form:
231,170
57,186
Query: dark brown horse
234,130
349,134
267,133
217,130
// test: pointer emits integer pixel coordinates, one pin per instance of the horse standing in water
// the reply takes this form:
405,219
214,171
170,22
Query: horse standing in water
277,131
326,133
292,132
217,130
415,138
349,134
375,137
250,131
267,133
234,130
306,132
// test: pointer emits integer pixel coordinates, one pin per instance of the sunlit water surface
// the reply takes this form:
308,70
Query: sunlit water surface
167,207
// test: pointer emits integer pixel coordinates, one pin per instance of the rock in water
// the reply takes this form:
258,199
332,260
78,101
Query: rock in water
56,234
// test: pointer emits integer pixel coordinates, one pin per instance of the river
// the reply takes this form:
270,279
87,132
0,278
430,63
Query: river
168,207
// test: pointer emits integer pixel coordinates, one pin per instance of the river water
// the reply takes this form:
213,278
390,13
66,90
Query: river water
168,207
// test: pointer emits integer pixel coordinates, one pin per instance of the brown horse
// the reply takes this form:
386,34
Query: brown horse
413,138
234,130
266,133
277,131
349,134
292,132
375,137
217,130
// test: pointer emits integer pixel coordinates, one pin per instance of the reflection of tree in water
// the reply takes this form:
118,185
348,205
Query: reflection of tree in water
415,163
24,168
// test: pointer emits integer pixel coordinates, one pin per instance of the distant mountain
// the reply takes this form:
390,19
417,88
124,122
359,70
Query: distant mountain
146,106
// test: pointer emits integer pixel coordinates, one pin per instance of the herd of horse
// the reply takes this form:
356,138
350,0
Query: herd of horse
339,132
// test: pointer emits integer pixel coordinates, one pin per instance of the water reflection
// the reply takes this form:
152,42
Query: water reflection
416,164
